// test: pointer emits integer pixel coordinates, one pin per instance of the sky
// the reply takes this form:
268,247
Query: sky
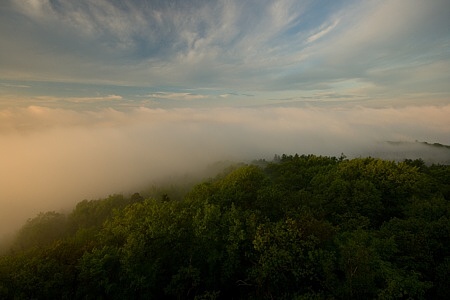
222,53
102,97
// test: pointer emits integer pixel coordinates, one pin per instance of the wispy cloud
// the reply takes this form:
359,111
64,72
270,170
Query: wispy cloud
209,41
250,46
177,96
11,85
322,32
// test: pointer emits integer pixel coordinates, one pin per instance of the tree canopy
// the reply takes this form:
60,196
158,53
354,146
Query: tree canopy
299,227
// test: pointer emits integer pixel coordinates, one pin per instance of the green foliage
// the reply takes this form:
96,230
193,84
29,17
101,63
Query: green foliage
288,258
300,227
99,272
92,213
441,175
41,230
240,187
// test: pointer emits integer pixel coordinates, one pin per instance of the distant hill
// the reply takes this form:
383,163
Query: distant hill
430,153
435,145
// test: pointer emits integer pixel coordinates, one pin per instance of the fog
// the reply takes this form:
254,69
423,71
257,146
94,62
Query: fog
52,158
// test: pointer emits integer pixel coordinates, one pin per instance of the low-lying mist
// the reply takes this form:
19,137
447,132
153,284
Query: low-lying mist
52,158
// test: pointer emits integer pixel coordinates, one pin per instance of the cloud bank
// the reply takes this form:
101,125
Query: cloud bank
52,158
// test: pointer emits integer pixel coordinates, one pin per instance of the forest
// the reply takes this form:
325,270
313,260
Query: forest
297,227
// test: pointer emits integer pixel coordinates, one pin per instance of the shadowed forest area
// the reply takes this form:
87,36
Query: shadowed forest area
298,227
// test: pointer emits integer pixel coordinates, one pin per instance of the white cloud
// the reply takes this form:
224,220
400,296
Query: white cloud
385,32
154,43
177,96
34,8
322,32
385,45
11,85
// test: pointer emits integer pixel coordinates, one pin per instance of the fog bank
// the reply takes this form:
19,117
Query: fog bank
52,158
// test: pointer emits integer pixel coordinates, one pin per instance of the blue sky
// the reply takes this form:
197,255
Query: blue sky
223,53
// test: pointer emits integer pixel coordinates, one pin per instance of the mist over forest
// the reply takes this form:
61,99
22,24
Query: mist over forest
52,158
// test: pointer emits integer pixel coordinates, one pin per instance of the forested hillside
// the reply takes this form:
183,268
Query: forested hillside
299,227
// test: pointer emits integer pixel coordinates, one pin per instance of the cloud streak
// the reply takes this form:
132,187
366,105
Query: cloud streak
177,96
